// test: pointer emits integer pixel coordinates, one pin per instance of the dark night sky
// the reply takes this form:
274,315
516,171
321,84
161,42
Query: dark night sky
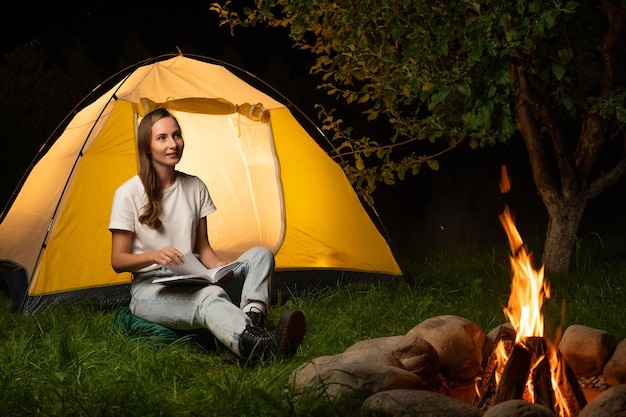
463,197
126,32
110,36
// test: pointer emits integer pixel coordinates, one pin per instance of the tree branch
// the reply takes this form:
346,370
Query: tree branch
611,177
613,39
526,125
593,133
592,141
567,171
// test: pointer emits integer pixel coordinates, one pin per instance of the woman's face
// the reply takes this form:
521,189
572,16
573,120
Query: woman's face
166,144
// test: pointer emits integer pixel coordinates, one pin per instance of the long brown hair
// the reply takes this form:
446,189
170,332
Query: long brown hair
147,174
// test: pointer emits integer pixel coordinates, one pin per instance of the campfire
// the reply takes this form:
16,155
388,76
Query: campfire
522,363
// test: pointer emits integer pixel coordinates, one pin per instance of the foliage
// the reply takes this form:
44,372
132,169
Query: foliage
439,71
467,74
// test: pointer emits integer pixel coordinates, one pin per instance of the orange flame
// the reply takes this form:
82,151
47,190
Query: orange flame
528,288
502,355
524,310
505,183
557,372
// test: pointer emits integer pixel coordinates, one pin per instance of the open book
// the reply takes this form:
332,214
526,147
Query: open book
193,272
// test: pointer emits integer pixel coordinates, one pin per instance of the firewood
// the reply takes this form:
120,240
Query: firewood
514,376
486,386
541,375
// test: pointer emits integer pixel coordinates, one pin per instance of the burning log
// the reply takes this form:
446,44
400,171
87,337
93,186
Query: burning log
529,375
541,376
574,394
513,382
534,370
527,364
486,386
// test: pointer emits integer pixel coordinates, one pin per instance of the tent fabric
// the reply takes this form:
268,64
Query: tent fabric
272,183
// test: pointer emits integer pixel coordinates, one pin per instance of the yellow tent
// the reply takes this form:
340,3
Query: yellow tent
271,182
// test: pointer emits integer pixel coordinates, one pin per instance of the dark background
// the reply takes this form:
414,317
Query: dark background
53,55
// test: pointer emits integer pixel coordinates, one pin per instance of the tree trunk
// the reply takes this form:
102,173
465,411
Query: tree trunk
560,244
567,193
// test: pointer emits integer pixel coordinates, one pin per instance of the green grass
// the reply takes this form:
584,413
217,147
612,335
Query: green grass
73,360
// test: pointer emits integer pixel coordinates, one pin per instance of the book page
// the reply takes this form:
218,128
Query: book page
191,265
193,271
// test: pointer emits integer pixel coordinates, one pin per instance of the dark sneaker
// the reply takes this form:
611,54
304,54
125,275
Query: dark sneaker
257,317
290,332
256,342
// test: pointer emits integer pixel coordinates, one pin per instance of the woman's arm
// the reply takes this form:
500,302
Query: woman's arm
208,257
122,260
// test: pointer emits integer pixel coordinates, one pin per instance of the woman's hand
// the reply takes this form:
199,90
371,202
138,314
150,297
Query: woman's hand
124,261
168,256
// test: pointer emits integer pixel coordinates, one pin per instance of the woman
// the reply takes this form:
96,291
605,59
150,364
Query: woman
158,217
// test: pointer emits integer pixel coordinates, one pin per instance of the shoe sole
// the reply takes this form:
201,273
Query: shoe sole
290,331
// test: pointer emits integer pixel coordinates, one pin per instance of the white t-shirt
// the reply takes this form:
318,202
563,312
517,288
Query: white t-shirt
184,204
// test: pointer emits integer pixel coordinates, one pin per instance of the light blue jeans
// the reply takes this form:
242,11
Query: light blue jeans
216,307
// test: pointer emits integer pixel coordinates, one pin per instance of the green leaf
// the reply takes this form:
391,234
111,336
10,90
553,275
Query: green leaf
534,6
433,164
508,126
372,115
440,95
548,18
465,89
558,70
568,103
475,53
358,161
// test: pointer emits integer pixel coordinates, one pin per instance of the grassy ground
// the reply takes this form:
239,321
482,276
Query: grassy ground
73,361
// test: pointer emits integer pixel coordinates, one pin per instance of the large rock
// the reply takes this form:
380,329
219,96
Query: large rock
423,371
368,367
611,403
412,353
586,350
615,369
518,408
458,343
345,377
407,403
